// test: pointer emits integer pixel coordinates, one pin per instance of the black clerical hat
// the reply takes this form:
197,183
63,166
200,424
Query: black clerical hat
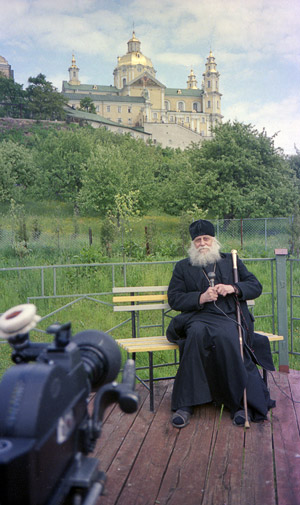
201,227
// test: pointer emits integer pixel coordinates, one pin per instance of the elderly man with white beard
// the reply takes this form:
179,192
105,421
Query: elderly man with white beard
211,367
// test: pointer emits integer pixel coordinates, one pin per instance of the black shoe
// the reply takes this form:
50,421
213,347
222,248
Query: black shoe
181,417
239,418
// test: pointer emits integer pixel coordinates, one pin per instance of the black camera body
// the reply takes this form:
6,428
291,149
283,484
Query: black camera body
46,431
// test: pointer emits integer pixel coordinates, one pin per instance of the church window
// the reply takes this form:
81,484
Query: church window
108,108
171,119
124,82
129,120
203,120
129,109
97,108
154,115
196,106
208,84
180,106
167,105
74,74
119,109
119,120
208,104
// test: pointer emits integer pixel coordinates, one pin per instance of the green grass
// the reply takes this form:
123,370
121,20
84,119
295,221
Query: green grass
166,244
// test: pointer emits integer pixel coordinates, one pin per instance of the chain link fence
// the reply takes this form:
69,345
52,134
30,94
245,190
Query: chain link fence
256,236
261,234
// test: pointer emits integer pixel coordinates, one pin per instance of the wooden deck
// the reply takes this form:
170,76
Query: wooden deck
210,462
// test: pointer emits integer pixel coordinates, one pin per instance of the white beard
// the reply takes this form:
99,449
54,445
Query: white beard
202,259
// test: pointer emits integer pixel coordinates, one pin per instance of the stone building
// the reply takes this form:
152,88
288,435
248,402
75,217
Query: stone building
5,68
173,117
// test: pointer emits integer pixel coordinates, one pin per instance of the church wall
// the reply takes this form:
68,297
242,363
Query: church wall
172,135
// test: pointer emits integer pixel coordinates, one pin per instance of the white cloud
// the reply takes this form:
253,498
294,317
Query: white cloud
280,118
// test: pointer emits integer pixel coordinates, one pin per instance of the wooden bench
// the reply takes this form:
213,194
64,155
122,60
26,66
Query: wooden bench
141,298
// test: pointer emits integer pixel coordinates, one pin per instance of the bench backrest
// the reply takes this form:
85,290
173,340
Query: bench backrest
134,298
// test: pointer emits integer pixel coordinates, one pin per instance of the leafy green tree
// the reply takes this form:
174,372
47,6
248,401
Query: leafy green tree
239,173
17,171
294,162
117,167
12,98
61,157
44,101
175,183
87,105
102,180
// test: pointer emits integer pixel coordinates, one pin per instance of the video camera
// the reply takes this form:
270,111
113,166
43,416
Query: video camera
46,430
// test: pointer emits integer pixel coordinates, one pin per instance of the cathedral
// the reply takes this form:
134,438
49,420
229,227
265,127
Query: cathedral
139,102
5,68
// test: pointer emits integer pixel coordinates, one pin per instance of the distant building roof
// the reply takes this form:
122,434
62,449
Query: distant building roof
96,118
183,92
105,98
90,87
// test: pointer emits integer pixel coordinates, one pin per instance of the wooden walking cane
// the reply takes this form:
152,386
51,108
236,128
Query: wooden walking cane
238,316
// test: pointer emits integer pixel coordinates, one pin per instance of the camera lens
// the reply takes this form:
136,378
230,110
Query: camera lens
100,354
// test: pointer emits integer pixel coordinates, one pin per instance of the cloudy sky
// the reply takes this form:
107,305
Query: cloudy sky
256,44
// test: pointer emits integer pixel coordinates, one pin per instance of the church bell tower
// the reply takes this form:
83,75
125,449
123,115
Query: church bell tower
74,73
212,95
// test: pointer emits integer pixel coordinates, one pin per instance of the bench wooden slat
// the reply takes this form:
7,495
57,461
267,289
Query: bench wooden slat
139,298
139,289
146,344
271,336
160,343
131,308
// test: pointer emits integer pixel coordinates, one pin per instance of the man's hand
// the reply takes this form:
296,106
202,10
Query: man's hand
224,289
211,295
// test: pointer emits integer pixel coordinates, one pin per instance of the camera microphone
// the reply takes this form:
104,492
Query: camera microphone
211,277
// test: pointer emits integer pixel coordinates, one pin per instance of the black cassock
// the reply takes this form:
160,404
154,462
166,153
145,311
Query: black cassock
211,367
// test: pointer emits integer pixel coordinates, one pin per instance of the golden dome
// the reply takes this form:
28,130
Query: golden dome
134,55
136,58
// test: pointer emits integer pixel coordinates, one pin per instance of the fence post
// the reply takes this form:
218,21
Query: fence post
282,317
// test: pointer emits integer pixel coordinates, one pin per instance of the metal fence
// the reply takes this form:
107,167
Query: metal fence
259,235
67,285
266,232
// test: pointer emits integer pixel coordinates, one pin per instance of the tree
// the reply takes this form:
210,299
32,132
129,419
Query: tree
87,105
175,183
294,162
61,157
17,171
102,180
239,173
12,98
118,165
44,101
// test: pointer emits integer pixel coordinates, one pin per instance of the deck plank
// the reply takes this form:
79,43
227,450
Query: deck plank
210,462
286,442
226,466
184,480
152,460
258,484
